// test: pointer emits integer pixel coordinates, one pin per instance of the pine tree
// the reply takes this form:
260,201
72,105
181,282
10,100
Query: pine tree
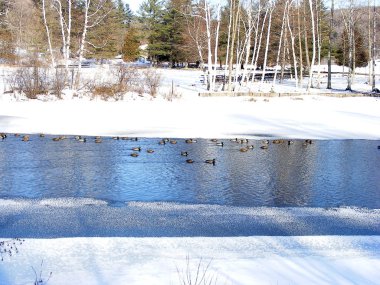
361,53
130,50
152,18
125,12
104,38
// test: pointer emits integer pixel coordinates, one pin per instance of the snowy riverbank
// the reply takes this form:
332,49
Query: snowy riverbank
234,260
305,117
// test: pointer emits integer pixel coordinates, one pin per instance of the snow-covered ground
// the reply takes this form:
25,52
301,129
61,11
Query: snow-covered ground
322,260
234,260
304,116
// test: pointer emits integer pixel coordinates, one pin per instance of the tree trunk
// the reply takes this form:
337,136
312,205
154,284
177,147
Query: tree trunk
330,43
293,51
279,45
350,47
267,43
82,43
48,33
309,85
300,43
374,48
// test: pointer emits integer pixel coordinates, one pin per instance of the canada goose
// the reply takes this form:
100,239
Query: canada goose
290,142
184,153
42,135
134,139
25,138
265,141
173,142
82,140
214,140
264,147
162,142
98,140
189,161
134,154
190,141
165,140
150,151
136,148
124,138
98,137
234,140
243,141
56,139
210,161
3,136
220,144
251,146
308,141
116,138
277,141
243,149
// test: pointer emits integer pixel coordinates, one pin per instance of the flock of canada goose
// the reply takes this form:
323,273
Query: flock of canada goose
245,143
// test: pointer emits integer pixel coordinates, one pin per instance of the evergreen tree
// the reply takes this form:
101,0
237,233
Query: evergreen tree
125,12
361,52
174,31
152,18
130,50
104,38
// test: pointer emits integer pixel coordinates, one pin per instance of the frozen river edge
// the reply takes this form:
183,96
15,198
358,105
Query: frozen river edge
58,218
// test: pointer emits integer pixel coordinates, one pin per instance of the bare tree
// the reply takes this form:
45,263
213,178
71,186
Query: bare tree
330,44
271,8
65,22
285,13
374,47
94,14
309,85
48,32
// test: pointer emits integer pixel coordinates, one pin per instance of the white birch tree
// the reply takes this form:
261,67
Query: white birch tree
94,14
271,8
311,70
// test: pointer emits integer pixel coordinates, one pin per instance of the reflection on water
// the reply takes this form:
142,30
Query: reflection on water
323,174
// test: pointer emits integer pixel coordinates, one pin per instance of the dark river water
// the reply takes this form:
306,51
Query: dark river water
323,174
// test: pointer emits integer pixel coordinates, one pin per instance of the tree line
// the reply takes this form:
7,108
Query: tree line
239,36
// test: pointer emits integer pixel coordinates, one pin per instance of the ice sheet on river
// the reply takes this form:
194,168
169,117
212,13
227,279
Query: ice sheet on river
54,218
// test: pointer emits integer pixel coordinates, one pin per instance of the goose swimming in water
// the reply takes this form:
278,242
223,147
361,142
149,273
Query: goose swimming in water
210,161
136,148
184,153
189,161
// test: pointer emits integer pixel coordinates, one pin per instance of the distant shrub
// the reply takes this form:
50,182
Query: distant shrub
152,81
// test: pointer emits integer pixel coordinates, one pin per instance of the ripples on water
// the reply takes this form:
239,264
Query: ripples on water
324,174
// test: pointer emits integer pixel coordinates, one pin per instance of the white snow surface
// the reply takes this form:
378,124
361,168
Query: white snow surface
238,260
234,260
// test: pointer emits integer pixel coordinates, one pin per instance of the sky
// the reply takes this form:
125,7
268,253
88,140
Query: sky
134,4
